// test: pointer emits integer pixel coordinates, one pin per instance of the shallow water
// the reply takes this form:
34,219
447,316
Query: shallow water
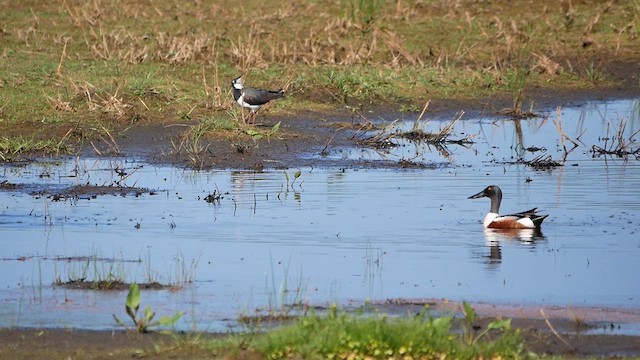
333,235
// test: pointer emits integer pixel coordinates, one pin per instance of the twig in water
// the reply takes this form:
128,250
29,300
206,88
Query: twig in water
563,136
620,146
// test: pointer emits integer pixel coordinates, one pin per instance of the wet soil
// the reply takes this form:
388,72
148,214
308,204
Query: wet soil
554,334
304,140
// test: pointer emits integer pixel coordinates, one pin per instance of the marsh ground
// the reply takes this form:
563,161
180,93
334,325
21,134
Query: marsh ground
136,80
309,134
87,344
112,78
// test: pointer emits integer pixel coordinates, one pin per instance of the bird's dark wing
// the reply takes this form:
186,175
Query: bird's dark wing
260,96
526,213
532,214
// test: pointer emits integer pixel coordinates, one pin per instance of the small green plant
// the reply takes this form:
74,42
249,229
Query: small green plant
516,83
144,85
257,135
594,74
296,175
144,322
193,142
470,335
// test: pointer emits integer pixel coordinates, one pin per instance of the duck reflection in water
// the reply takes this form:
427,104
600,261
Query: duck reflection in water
524,235
495,237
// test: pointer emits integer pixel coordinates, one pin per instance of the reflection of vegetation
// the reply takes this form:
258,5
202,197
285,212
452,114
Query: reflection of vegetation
144,321
285,301
558,123
541,162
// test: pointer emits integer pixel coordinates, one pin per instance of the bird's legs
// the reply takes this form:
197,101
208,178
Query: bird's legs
242,115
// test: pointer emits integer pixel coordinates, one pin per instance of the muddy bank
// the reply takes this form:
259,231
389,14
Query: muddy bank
304,140
540,337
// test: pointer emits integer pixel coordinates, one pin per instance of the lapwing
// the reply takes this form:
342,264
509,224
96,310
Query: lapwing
529,219
253,98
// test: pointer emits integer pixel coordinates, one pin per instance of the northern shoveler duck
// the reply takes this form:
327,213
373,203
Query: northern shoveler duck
253,98
529,219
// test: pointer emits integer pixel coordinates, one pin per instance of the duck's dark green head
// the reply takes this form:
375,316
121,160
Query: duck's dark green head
490,191
494,193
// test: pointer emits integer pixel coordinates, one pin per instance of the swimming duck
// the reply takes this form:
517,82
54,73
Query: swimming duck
529,219
252,98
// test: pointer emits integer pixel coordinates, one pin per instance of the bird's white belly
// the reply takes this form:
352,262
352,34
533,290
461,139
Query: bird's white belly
244,104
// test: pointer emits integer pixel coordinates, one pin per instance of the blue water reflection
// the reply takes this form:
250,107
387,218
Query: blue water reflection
333,235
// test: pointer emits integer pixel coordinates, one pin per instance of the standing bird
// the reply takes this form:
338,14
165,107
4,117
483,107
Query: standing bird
253,98
529,219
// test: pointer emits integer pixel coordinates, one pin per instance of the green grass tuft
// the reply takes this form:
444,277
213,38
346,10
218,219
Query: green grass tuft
342,336
12,148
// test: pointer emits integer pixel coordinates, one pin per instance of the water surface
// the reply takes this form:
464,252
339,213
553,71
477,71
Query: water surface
333,235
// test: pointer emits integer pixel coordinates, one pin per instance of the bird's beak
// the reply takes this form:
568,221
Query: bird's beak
478,195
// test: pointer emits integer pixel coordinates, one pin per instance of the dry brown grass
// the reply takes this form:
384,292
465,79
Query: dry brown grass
313,34
169,62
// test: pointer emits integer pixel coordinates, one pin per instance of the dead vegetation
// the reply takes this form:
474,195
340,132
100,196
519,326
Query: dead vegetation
542,162
114,64
442,136
440,139
618,144
88,192
621,144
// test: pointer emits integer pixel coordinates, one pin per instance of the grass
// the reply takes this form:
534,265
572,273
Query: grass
12,147
338,335
194,142
75,64
287,297
102,273
92,272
